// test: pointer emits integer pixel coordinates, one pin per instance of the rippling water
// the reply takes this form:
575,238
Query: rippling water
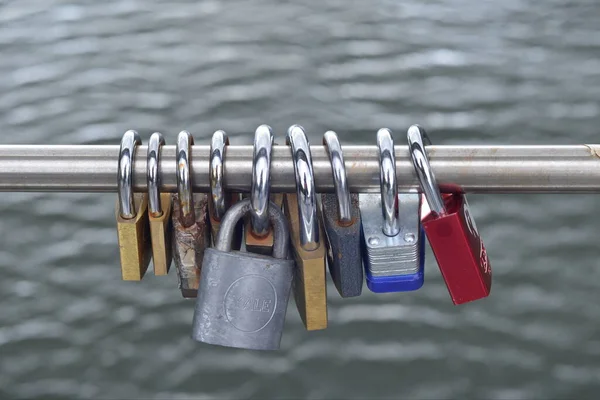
511,72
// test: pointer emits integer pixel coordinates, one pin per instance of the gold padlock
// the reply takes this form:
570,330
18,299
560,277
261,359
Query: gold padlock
159,205
261,244
132,215
220,200
310,288
191,230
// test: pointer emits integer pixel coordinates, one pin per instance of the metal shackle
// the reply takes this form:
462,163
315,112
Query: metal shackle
130,140
152,164
216,172
281,237
261,180
388,182
340,180
305,187
416,135
184,180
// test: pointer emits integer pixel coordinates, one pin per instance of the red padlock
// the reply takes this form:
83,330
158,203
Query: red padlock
451,231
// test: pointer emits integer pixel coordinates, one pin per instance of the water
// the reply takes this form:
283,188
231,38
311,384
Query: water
512,72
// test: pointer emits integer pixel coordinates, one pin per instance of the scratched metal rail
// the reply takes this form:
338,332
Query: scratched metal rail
472,72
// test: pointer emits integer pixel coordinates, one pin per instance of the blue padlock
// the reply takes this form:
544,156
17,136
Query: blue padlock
393,263
392,238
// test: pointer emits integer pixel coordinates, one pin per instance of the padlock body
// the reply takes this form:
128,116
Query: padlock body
134,240
188,244
392,263
399,283
459,251
343,241
160,233
242,300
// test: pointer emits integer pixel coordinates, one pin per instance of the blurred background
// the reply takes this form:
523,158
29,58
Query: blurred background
471,71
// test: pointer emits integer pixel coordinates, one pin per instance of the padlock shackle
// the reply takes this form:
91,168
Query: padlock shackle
261,180
216,173
340,179
152,162
281,237
130,140
416,135
184,181
305,187
388,182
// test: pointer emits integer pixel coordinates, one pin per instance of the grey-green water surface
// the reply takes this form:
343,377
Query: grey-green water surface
494,72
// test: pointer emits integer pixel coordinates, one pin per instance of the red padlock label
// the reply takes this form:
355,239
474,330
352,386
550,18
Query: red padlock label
459,250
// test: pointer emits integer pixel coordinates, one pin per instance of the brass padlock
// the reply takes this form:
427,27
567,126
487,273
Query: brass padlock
159,209
191,231
221,200
132,215
310,288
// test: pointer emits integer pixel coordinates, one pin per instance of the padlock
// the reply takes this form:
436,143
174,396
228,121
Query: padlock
341,220
220,200
310,289
258,234
191,231
160,207
243,297
451,231
132,215
393,246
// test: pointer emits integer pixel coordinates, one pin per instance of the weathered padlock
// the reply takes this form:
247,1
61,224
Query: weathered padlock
451,231
220,200
242,300
302,212
132,215
393,245
341,221
191,231
159,209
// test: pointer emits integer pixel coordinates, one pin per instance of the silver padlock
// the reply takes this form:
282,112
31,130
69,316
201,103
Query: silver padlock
243,297
393,246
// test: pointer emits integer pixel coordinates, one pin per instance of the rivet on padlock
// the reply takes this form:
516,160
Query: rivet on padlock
132,215
191,231
393,245
341,220
220,200
160,207
451,231
310,289
243,297
258,234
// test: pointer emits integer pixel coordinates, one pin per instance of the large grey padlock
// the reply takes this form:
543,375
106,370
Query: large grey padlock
243,297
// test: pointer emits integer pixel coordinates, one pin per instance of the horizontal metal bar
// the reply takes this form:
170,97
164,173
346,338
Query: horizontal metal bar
472,169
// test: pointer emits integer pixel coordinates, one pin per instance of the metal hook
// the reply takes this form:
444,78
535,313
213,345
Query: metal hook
261,180
184,183
152,164
216,173
130,140
420,161
338,170
305,187
388,182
